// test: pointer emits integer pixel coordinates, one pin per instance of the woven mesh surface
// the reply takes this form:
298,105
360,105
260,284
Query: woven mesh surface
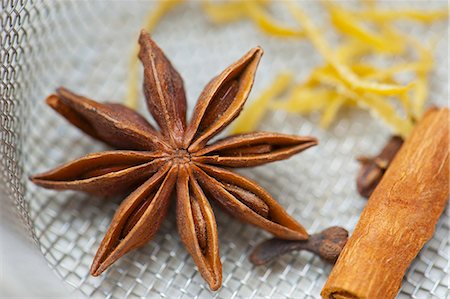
86,46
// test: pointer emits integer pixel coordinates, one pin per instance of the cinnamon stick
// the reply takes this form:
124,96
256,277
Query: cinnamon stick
400,216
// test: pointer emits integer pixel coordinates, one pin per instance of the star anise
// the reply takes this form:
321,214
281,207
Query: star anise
178,157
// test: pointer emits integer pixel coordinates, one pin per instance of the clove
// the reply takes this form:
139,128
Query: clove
373,168
327,244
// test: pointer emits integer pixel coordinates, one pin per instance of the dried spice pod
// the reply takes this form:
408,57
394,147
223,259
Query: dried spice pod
327,244
101,121
176,158
373,168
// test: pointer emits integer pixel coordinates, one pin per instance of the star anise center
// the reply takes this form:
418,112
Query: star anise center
181,156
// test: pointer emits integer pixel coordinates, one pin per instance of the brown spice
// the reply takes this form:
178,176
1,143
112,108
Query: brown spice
175,158
400,216
327,244
373,168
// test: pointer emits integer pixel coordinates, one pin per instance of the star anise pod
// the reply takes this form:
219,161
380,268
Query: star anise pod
154,163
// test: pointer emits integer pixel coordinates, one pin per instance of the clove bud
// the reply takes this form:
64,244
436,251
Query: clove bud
373,168
327,244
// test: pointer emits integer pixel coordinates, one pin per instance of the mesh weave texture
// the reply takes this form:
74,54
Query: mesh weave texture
86,46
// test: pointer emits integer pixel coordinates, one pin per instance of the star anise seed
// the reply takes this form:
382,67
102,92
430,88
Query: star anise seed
175,159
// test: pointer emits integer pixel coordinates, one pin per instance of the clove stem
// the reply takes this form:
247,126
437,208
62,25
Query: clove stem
373,168
327,244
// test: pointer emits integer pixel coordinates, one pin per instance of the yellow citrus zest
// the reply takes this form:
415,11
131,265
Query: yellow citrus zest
346,79
383,15
226,12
